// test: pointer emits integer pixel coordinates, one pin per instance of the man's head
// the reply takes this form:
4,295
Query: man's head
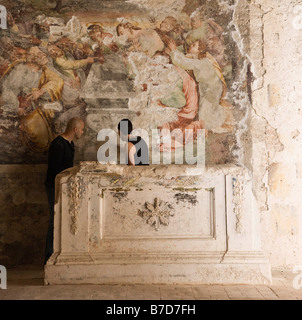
168,24
125,127
65,44
197,18
18,54
36,56
54,51
198,47
95,32
75,127
127,29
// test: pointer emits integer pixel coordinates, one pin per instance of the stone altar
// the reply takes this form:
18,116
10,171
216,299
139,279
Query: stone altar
157,224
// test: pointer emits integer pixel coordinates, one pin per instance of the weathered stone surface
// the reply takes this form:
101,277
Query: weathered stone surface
157,224
276,104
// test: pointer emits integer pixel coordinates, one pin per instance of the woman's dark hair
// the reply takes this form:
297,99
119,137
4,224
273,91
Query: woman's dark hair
125,126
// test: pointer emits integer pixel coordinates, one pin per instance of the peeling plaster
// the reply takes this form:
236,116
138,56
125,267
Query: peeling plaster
275,127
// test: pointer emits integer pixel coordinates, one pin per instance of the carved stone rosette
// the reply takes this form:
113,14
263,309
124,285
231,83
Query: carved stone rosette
157,213
76,190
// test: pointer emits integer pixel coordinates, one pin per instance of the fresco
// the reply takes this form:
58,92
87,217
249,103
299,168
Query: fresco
109,60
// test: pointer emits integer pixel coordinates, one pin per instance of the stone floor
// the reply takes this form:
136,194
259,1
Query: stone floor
26,283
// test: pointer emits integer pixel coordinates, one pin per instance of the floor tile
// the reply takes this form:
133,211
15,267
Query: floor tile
26,283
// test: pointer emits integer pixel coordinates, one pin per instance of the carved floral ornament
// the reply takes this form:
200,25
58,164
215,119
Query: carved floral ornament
238,197
76,189
157,213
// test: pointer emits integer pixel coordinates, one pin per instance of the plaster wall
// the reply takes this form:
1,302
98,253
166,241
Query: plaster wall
276,37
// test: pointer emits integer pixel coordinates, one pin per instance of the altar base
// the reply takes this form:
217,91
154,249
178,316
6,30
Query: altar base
160,224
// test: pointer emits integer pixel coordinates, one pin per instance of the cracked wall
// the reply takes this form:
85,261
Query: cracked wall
276,36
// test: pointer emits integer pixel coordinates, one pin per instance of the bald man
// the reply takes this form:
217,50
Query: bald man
60,157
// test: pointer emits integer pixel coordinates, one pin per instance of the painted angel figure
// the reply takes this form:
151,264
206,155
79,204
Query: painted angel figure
211,83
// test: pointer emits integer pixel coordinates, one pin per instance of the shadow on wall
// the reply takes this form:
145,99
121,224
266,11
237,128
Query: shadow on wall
24,214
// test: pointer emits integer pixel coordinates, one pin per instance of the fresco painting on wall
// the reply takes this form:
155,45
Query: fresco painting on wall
106,61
